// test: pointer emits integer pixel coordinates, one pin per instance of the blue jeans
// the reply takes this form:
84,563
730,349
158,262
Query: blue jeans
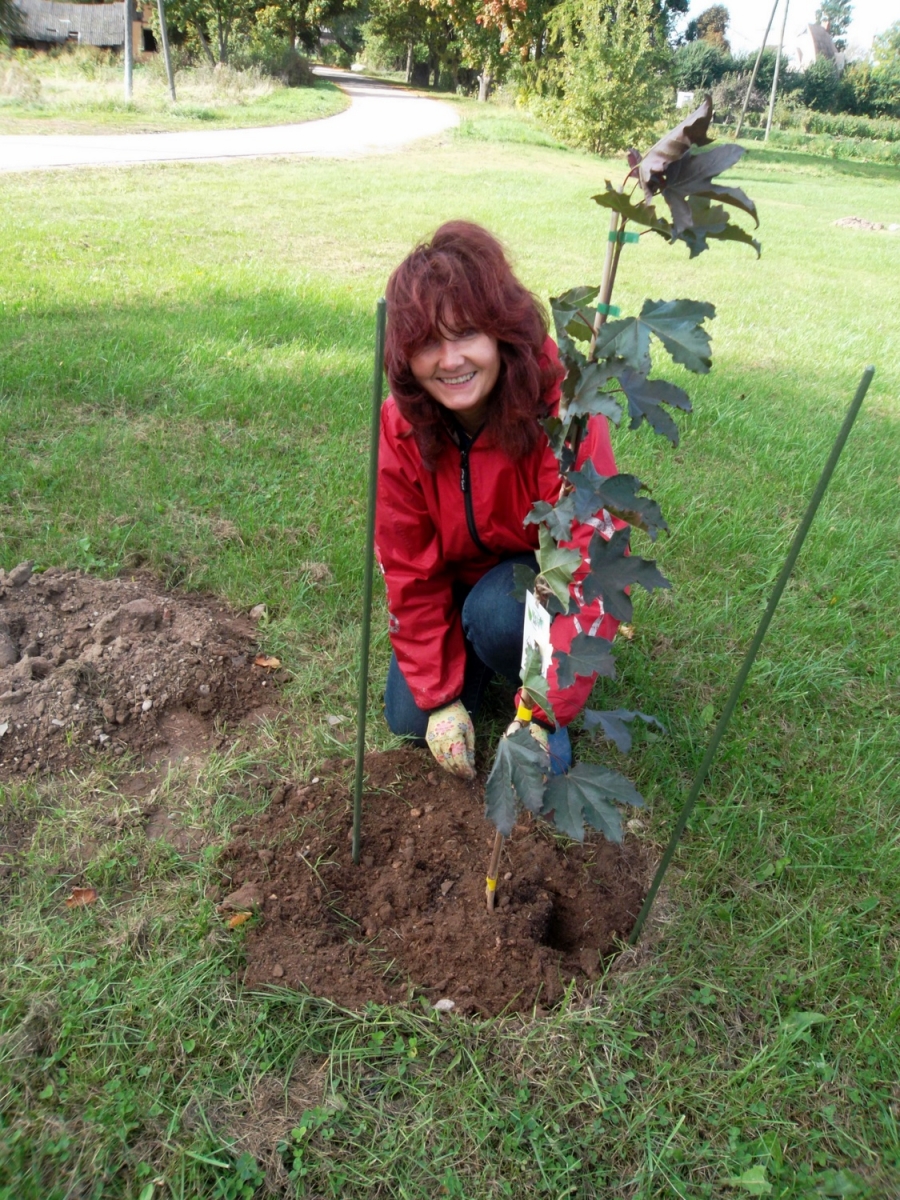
492,621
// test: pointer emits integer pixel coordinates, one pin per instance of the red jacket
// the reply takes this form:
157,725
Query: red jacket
424,541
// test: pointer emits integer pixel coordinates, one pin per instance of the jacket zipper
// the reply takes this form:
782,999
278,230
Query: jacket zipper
465,486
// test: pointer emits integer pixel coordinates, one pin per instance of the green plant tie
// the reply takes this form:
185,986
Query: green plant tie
731,702
620,236
609,310
377,389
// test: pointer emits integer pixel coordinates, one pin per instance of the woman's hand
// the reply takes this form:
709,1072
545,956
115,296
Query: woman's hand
538,732
451,739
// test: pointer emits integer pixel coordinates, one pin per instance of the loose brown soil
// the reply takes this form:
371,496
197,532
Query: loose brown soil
90,665
411,919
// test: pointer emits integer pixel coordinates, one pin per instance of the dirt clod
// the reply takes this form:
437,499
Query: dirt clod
90,665
416,923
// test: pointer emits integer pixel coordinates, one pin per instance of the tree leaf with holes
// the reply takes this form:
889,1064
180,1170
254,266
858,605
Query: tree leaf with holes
587,794
558,518
557,567
644,399
587,656
612,724
618,495
516,778
613,570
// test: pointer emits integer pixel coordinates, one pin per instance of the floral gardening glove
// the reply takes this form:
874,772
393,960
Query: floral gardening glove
538,732
451,739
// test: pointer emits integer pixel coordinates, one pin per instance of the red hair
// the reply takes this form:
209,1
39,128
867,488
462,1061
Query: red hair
457,282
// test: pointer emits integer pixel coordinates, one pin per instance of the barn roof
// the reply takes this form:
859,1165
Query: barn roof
822,41
89,24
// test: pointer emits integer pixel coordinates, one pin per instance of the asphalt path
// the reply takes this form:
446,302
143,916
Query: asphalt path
380,118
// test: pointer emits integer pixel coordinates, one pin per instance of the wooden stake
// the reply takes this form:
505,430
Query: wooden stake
493,870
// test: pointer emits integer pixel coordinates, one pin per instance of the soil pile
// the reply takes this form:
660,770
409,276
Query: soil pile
411,918
94,665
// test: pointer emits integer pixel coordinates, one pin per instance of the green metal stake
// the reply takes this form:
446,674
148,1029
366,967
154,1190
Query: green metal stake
731,703
377,389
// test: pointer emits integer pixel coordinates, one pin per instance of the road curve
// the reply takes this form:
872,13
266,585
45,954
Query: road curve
380,118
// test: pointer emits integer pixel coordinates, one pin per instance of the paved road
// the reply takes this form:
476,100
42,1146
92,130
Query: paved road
379,118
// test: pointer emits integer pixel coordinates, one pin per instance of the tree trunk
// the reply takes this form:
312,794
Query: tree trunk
204,43
409,61
485,81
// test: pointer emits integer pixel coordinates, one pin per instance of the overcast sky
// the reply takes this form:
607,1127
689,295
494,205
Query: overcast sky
749,17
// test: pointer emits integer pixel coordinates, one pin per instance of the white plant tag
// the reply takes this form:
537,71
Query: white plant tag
536,632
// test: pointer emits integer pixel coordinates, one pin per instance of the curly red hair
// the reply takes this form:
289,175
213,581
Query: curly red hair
459,281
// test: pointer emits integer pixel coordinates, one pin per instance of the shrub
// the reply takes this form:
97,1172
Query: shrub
699,65
820,85
274,57
601,84
728,97
379,52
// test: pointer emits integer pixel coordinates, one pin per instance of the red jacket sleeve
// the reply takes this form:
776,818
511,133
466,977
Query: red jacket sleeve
425,624
568,702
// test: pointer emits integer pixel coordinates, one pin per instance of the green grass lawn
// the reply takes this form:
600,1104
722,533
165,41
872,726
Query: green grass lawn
182,345
77,93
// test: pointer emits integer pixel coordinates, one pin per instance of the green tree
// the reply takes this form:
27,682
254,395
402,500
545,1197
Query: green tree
838,14
700,64
710,26
603,81
821,81
886,72
9,21
212,22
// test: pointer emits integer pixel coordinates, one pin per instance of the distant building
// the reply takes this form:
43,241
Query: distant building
44,23
814,44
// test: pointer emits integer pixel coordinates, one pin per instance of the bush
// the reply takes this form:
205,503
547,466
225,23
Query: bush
699,65
728,97
380,53
821,80
274,57
601,85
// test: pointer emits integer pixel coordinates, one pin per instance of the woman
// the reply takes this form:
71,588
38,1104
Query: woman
463,459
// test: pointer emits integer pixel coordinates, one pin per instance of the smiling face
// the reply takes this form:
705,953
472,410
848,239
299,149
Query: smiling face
459,371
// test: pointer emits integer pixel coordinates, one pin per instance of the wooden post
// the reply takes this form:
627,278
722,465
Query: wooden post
777,65
737,132
164,36
129,47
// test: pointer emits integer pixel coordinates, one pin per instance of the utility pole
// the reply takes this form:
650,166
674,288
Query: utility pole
737,132
163,33
777,65
129,47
